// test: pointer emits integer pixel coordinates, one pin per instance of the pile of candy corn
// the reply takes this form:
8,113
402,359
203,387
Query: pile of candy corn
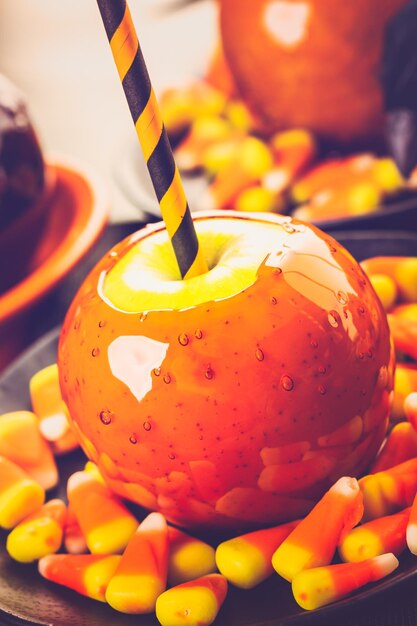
215,134
93,544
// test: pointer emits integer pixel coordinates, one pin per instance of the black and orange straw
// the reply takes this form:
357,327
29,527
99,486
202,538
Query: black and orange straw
152,136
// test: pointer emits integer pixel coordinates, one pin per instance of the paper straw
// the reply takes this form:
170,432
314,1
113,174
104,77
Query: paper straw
152,136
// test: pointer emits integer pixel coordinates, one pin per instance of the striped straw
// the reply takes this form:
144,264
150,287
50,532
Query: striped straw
152,136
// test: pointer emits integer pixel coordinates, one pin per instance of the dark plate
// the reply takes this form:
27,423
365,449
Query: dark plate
25,598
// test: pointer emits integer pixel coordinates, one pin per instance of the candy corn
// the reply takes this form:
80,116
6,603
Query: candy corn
406,276
50,409
406,311
410,408
346,187
251,161
402,269
400,446
314,540
74,540
106,523
204,132
330,174
411,530
322,585
390,490
189,557
240,116
220,155
404,334
405,382
385,534
347,201
142,572
180,107
39,534
385,288
20,495
258,198
16,430
246,560
91,468
386,175
195,603
88,574
293,151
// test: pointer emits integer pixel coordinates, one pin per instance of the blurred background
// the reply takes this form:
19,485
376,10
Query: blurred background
302,107
57,53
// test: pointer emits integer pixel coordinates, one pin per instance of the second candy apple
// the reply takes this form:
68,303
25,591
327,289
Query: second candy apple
236,398
313,64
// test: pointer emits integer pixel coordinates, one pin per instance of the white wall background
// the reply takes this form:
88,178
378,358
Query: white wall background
57,52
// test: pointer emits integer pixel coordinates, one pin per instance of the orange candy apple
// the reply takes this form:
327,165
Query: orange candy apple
236,398
310,63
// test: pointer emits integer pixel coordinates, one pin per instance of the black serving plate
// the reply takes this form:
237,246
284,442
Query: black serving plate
26,598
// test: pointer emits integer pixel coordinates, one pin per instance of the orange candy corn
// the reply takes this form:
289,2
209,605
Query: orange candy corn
142,572
385,534
92,468
402,269
88,574
406,311
240,116
180,107
38,534
106,523
20,495
411,531
74,540
349,199
322,585
390,490
204,132
50,409
342,187
331,174
218,156
246,560
385,288
314,540
195,603
16,430
293,151
258,199
189,557
400,446
406,276
410,408
405,382
386,175
250,163
404,334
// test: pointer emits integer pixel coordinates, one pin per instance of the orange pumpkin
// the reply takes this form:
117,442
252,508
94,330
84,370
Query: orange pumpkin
310,63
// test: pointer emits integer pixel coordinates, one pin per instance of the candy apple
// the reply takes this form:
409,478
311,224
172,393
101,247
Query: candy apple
232,399
310,63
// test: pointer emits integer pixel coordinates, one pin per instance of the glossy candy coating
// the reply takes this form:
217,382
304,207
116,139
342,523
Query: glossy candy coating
262,400
309,63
